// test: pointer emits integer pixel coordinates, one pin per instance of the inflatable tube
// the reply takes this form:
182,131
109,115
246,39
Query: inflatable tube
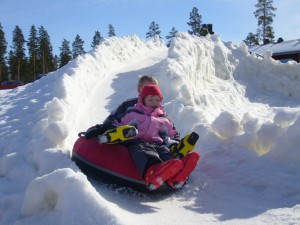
108,163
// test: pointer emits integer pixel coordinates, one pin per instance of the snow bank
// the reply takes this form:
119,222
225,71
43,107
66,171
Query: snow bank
246,110
48,195
39,125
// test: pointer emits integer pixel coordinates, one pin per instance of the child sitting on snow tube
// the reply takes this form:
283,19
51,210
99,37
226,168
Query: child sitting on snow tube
152,144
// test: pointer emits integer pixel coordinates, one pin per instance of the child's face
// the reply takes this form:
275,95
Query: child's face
152,101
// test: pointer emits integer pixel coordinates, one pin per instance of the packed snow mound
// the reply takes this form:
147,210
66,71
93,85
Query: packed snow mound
245,109
46,193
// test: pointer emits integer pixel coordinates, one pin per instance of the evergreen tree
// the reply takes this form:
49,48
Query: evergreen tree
270,33
3,47
56,62
172,34
264,13
12,65
251,39
77,47
111,31
18,52
45,55
33,48
195,22
97,39
153,30
65,53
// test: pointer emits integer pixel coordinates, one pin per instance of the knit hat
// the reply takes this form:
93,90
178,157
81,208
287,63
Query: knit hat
150,89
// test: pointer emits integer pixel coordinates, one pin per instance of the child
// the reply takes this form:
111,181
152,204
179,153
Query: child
152,157
106,126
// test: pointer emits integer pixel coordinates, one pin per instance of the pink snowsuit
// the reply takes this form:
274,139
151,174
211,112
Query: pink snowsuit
149,123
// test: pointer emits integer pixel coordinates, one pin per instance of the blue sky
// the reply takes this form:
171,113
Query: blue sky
64,19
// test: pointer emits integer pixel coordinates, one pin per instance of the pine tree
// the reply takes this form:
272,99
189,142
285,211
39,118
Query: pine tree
3,47
33,48
56,62
111,31
12,64
77,47
153,30
251,39
270,33
172,34
18,52
65,53
45,55
264,14
195,22
97,39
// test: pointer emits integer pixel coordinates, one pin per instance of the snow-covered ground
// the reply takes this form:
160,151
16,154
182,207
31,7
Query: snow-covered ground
245,109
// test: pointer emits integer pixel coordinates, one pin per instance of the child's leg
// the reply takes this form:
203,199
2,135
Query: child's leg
163,151
143,154
151,166
189,163
157,174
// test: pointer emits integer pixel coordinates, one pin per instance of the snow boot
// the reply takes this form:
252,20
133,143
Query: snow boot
189,164
157,174
117,135
186,145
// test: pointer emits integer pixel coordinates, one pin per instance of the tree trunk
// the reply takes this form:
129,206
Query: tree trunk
19,67
44,69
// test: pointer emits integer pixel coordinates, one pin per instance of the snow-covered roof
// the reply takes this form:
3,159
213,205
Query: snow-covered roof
285,47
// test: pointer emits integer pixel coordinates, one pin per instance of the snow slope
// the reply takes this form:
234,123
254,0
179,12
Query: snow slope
245,109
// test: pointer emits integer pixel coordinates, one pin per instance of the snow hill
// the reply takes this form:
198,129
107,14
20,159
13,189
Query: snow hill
245,109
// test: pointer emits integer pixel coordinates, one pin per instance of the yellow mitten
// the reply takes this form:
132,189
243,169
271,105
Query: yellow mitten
117,135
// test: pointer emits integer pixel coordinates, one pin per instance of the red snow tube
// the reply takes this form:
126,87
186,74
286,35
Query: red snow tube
105,160
109,163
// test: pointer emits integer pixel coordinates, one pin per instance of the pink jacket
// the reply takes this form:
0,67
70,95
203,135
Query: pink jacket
149,123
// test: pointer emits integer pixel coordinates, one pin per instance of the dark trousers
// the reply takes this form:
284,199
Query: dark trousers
146,155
